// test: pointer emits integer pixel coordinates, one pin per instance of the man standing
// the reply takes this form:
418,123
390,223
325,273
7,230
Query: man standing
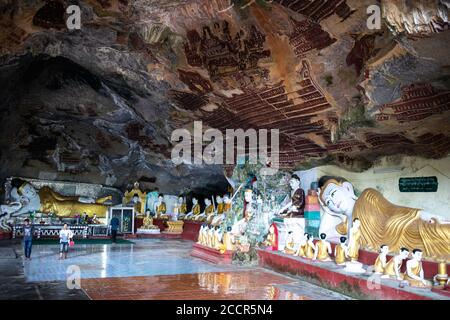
27,238
114,227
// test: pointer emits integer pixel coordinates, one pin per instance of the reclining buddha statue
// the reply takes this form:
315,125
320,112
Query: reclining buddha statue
382,222
26,198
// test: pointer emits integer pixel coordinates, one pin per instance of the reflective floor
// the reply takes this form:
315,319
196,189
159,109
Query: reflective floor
159,269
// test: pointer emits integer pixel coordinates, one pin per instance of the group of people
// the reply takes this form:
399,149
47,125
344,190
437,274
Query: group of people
65,238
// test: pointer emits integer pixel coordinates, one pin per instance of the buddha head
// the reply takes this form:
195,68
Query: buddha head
207,202
160,198
180,200
342,240
194,201
356,223
384,249
337,194
226,199
404,253
27,190
294,182
417,254
219,199
323,236
135,199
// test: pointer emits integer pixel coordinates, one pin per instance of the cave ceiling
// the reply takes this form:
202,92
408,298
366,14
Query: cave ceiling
99,104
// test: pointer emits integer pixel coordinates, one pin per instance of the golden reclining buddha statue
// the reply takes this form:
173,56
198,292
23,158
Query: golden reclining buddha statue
27,199
382,222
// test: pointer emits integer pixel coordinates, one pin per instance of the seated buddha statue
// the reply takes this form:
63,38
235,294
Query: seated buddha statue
392,268
147,223
310,247
383,222
414,271
289,248
195,211
271,241
301,251
208,213
339,251
226,203
227,242
219,214
181,208
380,262
322,249
160,208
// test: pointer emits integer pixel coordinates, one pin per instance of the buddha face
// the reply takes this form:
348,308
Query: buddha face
135,199
294,184
226,199
385,250
160,198
417,255
194,201
207,201
356,224
219,199
404,254
339,198
28,191
180,200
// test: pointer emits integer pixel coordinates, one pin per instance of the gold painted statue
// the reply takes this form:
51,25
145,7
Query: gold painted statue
48,201
310,247
208,214
383,222
160,208
322,249
136,197
195,211
380,262
227,242
301,251
392,268
147,223
414,271
339,252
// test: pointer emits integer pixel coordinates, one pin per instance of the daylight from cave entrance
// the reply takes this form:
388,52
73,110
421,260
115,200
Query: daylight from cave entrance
224,150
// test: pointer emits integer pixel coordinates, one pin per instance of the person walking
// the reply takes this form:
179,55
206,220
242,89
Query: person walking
65,236
114,227
27,238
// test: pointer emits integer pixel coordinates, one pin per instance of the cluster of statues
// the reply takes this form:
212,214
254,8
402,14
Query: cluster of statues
372,223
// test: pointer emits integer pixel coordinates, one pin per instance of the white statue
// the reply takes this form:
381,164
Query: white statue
414,271
195,211
392,269
220,213
239,227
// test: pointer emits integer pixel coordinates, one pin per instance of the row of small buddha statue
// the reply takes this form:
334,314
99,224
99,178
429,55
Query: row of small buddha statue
213,237
321,251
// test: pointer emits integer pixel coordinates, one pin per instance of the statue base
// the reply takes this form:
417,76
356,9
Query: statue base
211,254
334,276
354,267
174,227
148,231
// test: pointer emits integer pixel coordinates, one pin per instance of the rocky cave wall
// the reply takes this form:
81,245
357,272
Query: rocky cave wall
99,104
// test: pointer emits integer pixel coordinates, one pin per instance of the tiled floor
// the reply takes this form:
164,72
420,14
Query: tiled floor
163,269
